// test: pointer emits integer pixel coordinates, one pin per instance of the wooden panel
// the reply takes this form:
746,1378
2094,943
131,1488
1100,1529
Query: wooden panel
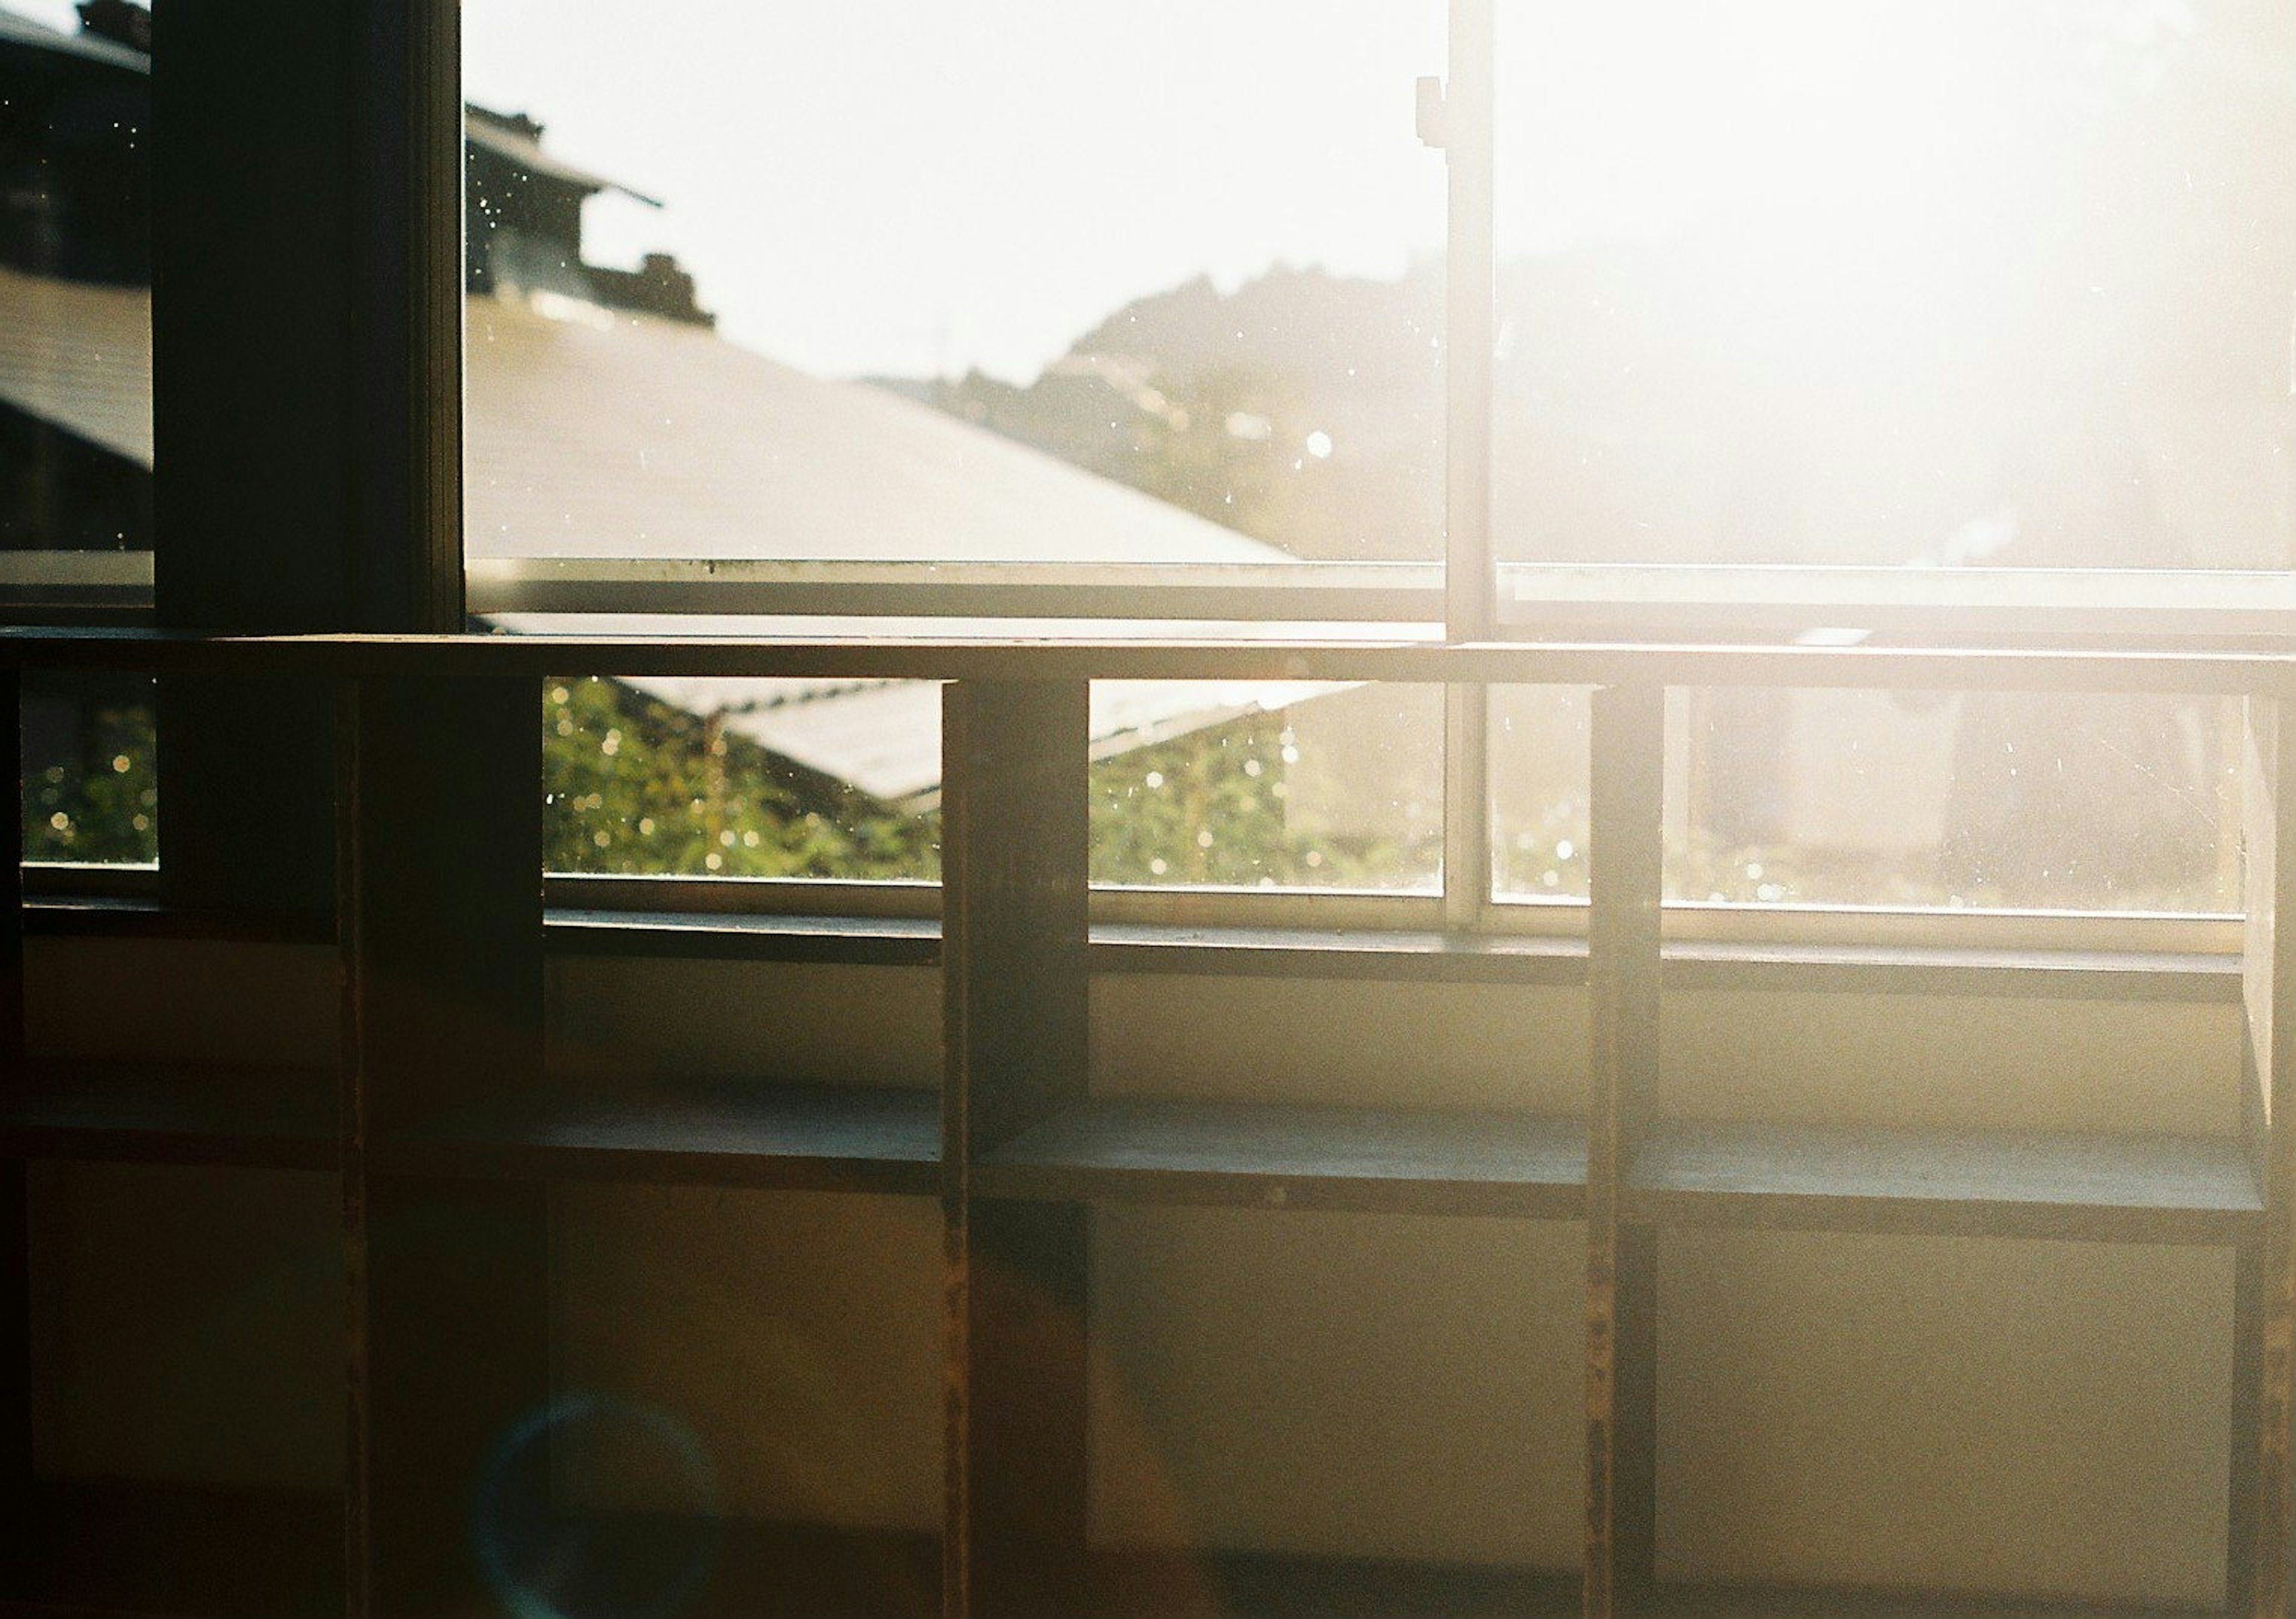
447,916
1023,1526
115,1548
1776,1602
1625,869
244,789
1217,1153
1014,863
305,359
2006,1183
808,1137
173,1113
1013,852
2244,1546
455,1390
15,1190
80,917
441,879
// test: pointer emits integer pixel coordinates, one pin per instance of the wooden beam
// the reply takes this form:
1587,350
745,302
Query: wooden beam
1625,855
15,1190
1014,855
443,999
305,395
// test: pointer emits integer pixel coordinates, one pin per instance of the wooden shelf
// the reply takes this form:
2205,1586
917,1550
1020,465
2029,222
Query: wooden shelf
173,1113
807,1138
1234,1154
146,916
2030,1185
1775,1602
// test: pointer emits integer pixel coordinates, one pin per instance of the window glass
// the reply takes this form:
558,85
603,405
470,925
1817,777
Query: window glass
1205,784
90,769
742,778
1044,282
75,277
1537,744
1866,281
2047,801
75,394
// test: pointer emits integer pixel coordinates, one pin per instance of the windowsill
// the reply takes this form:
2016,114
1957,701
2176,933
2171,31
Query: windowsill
1312,953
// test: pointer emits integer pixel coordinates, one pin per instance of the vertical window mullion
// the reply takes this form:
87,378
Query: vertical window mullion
1468,574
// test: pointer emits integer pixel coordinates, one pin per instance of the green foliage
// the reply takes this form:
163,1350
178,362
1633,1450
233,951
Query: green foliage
1209,808
633,786
99,801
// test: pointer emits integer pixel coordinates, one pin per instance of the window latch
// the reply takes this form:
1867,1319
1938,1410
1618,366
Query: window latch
1434,125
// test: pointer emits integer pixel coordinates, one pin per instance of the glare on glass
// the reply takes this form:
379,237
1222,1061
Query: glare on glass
1962,800
1307,785
1870,281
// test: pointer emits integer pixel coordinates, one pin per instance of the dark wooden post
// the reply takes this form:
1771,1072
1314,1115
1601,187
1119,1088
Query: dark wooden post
1624,851
305,394
443,999
306,304
15,1233
1014,854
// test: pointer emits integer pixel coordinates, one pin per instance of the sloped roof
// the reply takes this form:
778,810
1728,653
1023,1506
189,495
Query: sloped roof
23,31
614,434
606,433
497,135
81,357
884,736
611,434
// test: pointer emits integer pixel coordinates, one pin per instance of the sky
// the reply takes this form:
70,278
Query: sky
920,186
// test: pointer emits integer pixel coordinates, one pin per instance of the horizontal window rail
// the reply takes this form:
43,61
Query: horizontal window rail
2160,670
1580,599
74,585
1310,592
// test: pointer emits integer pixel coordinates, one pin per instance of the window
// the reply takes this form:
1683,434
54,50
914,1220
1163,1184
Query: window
1741,382
1190,367
76,406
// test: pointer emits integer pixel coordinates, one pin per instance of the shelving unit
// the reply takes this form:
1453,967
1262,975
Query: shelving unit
1648,1173
446,1131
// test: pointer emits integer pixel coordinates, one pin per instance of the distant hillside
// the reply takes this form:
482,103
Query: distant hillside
2052,398
1304,409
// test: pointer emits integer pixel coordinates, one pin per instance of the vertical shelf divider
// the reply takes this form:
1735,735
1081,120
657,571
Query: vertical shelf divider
2264,1294
1624,851
1013,933
440,930
15,1179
